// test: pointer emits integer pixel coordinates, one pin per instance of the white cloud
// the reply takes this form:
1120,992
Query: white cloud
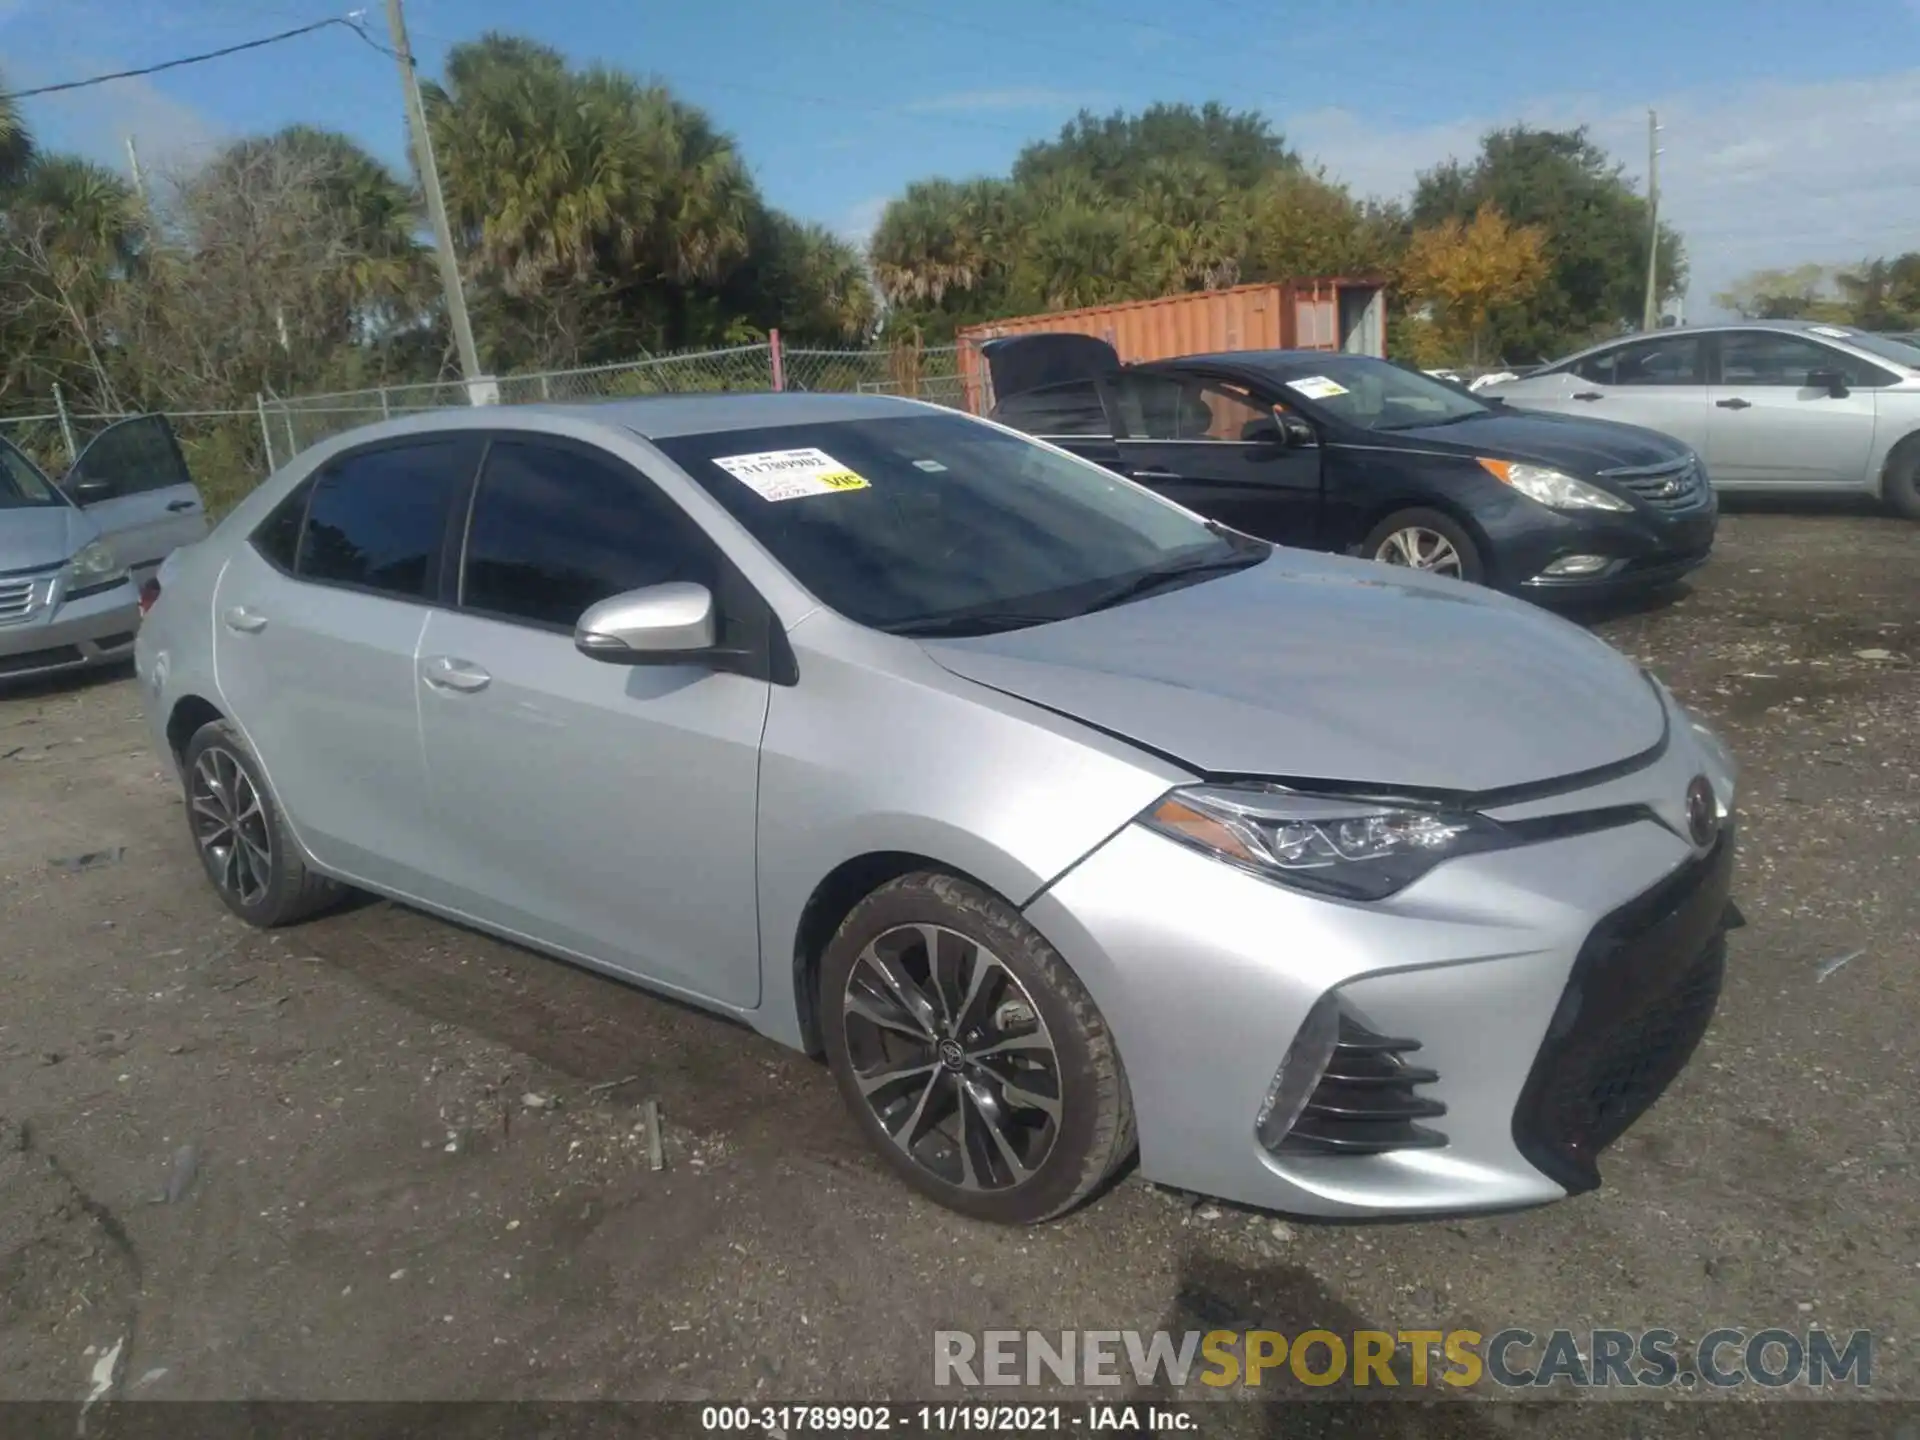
1754,177
1028,97
97,121
856,224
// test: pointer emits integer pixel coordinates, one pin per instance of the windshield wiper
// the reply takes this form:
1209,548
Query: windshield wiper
1183,572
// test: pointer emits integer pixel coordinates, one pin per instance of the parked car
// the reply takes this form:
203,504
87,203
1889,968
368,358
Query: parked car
1053,815
1355,455
72,554
1785,406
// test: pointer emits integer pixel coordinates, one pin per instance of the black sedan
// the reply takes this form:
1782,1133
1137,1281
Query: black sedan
1351,454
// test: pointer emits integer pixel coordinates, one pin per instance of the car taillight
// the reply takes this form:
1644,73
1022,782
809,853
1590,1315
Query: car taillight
149,592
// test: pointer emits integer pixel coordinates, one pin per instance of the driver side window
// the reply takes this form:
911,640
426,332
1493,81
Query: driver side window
556,530
1667,360
1159,407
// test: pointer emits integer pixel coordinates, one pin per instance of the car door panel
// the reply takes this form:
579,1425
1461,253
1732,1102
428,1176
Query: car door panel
151,506
1770,428
1659,383
605,809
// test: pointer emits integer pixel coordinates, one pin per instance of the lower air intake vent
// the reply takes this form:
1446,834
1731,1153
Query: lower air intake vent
1365,1103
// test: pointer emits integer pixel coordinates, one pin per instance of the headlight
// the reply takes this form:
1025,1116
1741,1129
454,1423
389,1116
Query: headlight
94,567
1355,849
1555,489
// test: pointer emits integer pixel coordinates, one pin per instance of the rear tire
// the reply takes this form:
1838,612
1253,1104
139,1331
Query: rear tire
981,1070
1410,537
244,845
1902,488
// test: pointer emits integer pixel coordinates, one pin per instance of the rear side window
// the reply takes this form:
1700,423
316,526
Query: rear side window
377,519
278,537
557,529
1772,358
1070,409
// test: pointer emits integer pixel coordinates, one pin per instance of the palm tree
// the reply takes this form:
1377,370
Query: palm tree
16,145
942,236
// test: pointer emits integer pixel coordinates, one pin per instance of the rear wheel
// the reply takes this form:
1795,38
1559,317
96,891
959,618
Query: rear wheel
970,1054
1426,540
242,839
1903,478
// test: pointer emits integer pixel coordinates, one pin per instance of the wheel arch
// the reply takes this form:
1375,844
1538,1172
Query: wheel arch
189,713
1461,515
1907,446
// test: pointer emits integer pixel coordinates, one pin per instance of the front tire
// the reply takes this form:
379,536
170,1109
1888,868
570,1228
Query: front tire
1426,540
971,1056
242,839
1902,489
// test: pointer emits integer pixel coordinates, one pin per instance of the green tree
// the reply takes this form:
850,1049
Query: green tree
1883,294
1597,233
16,143
1469,272
1804,292
1113,150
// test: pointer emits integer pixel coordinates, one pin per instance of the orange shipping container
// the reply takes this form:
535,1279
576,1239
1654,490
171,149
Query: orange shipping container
1328,313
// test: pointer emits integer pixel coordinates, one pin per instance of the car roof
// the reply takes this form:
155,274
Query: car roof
1826,329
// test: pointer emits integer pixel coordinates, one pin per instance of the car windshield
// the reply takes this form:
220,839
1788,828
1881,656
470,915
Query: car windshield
1901,349
21,483
1376,395
938,524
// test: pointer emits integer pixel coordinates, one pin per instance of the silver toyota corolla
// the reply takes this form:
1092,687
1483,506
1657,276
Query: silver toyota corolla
1061,821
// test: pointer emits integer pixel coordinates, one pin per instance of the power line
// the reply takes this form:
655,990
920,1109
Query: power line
183,60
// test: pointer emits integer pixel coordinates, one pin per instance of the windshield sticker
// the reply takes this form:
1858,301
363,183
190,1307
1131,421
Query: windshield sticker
1830,332
790,474
1317,387
932,467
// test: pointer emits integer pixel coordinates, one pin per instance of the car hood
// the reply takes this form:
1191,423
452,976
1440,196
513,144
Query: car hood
1319,667
1572,443
34,537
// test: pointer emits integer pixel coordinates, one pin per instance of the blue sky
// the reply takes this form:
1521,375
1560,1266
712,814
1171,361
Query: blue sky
1789,126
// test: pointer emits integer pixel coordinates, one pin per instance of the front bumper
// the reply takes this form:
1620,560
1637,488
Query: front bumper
1643,549
57,634
1501,965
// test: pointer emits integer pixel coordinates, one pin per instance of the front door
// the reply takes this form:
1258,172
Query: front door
1659,382
316,626
133,482
1770,426
605,809
1187,437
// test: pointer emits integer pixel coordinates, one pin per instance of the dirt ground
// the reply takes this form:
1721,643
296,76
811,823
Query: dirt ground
380,1157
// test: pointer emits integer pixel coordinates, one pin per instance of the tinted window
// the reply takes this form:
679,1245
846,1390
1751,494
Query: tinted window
278,537
1901,349
1667,360
132,457
556,530
1772,358
917,522
1158,407
377,518
21,483
1070,409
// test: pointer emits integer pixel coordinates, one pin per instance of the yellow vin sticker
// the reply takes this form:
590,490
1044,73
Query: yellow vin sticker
791,474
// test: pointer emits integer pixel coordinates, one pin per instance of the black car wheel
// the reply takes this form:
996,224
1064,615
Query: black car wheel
243,843
970,1054
1426,540
1903,478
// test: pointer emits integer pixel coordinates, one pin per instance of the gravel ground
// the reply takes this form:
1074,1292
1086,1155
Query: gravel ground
380,1157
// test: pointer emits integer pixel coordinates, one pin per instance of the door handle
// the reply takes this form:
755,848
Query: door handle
243,621
178,505
1588,395
1734,404
443,672
1151,474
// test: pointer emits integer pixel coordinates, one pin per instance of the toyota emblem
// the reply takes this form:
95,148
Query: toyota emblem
1703,812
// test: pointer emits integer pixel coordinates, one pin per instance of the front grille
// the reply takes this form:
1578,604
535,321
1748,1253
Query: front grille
39,660
1365,1102
16,599
1642,992
1674,485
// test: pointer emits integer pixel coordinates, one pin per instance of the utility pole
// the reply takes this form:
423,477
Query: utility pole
133,163
436,202
1651,321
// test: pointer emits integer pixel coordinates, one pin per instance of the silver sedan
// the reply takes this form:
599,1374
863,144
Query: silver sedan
1784,406
1063,823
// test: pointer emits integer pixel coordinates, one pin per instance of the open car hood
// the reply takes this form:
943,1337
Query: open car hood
1319,667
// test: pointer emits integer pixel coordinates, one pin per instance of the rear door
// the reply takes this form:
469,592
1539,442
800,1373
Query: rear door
1185,436
1073,415
1770,426
317,624
133,482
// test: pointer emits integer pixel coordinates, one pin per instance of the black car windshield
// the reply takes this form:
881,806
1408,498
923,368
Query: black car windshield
937,524
21,483
1375,395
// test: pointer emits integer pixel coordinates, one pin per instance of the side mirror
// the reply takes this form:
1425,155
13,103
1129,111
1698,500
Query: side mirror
1831,381
660,625
86,491
1265,431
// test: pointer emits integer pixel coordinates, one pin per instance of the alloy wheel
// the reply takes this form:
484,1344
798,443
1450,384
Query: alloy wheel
230,824
1419,548
952,1057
